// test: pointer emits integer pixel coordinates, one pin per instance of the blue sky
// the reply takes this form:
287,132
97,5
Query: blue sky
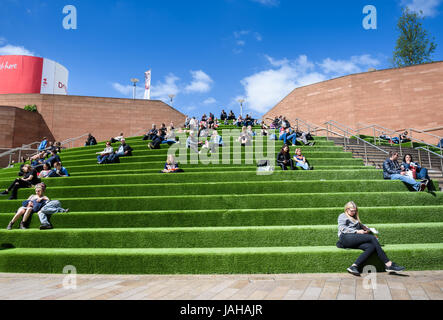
209,53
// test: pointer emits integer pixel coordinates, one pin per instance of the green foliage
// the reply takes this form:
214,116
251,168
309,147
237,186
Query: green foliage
32,108
413,45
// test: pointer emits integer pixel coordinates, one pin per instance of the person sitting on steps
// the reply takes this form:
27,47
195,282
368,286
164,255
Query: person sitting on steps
105,154
28,180
171,165
33,204
284,158
301,160
355,235
151,134
91,141
46,212
117,139
59,171
420,172
124,150
46,172
156,141
393,171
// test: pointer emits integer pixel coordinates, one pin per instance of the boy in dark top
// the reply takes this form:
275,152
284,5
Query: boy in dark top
91,141
151,134
156,142
123,151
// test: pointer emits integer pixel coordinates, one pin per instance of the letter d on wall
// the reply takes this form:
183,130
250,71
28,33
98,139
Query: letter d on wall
70,21
370,21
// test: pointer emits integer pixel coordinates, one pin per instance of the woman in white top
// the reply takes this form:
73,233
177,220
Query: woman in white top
102,156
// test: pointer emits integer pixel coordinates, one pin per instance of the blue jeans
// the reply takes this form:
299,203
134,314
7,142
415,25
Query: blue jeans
115,155
407,180
292,137
305,166
283,137
422,174
103,158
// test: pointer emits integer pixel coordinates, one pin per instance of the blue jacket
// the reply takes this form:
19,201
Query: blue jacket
42,145
390,167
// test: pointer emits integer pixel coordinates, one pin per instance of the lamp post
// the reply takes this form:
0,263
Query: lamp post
241,101
171,97
134,82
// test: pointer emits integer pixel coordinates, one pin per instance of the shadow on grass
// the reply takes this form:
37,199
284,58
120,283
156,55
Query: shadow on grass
6,246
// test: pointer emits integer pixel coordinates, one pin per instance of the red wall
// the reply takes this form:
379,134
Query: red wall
20,74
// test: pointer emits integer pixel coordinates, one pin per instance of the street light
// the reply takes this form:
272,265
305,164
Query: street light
171,97
134,82
241,101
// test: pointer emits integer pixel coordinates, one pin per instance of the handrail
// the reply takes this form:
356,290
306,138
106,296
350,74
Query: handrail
429,157
364,141
71,140
423,132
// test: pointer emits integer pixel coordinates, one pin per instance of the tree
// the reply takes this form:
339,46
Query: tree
413,45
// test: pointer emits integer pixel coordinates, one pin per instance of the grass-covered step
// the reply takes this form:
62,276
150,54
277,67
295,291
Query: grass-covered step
234,217
159,165
209,176
249,260
201,159
241,201
210,237
216,169
215,188
7,178
142,145
164,151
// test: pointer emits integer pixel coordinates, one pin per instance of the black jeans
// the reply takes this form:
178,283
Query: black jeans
17,184
284,166
366,242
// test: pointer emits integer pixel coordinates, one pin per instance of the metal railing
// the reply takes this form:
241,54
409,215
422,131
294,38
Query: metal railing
345,136
429,157
72,140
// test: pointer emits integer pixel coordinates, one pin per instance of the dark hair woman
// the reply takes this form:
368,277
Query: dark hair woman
284,158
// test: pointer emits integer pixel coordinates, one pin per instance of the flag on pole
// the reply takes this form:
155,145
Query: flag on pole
147,85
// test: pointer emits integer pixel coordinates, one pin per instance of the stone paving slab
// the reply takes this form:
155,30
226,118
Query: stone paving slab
414,285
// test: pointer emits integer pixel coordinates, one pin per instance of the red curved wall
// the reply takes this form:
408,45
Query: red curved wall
393,98
20,74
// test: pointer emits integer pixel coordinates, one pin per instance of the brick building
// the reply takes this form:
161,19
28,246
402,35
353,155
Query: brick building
63,117
398,99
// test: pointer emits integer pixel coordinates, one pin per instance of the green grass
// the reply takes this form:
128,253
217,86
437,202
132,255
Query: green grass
210,237
209,260
127,218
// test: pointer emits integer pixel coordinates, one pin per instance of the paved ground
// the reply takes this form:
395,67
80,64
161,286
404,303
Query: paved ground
427,285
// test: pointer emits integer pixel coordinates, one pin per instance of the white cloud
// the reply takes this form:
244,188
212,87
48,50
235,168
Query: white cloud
429,7
265,89
14,50
269,3
201,82
210,101
160,91
355,65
